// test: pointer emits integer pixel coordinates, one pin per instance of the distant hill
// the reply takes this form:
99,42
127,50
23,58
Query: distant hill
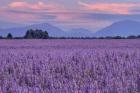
20,31
122,28
80,32
52,30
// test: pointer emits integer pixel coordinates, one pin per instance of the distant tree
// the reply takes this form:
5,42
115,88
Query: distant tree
29,34
138,36
101,37
1,37
118,37
45,35
132,37
36,34
9,36
108,37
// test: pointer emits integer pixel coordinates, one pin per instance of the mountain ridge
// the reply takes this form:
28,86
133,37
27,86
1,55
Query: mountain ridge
52,30
121,28
20,31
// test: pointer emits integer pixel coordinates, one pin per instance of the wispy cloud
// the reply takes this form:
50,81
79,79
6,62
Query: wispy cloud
87,15
34,6
42,9
112,8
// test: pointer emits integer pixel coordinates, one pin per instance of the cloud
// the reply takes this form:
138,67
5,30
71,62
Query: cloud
16,16
41,9
25,5
37,6
94,15
112,8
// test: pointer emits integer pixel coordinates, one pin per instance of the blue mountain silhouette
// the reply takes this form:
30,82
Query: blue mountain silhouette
121,28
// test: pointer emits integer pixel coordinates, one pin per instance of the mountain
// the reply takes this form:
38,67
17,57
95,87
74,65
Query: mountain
121,28
79,32
20,31
52,30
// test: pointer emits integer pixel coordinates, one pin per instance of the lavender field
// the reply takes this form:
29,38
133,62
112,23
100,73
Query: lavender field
69,66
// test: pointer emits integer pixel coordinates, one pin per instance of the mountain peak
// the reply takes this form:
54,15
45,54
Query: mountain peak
127,22
121,28
20,31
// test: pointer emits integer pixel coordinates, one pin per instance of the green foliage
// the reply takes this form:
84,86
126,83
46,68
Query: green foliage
9,36
132,37
36,34
1,37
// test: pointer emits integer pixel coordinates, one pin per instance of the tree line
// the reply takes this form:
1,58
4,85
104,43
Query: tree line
107,37
30,34
40,34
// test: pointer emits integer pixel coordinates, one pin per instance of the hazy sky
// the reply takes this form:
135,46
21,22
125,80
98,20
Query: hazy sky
68,14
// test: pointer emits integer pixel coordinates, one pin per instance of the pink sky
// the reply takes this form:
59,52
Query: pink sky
69,14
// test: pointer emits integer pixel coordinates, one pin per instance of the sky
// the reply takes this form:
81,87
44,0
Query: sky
68,14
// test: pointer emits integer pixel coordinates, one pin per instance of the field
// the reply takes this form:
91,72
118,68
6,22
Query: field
69,66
